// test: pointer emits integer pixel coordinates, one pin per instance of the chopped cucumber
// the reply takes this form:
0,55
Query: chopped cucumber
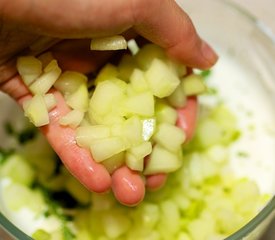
116,42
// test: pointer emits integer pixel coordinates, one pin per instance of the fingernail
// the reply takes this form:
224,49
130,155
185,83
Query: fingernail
209,54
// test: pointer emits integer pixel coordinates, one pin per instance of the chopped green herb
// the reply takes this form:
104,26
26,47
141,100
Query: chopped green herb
26,135
205,73
242,154
23,136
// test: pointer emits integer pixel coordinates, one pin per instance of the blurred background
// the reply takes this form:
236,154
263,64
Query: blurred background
263,10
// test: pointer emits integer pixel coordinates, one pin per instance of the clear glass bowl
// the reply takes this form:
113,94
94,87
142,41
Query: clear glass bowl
231,30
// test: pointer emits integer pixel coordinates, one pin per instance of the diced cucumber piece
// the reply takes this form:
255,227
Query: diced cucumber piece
133,162
17,196
126,66
162,161
115,223
193,85
72,118
132,46
170,221
43,83
116,42
131,131
109,71
45,58
178,98
138,81
69,82
36,110
141,104
29,68
162,81
114,162
16,168
105,148
169,136
165,113
147,54
106,94
79,99
50,101
86,134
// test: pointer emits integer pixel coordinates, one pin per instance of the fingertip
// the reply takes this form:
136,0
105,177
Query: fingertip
209,55
128,186
155,182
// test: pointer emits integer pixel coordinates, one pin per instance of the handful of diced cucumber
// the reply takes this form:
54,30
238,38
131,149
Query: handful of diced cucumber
128,115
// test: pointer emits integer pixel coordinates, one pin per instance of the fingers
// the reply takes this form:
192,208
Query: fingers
166,24
187,117
128,186
154,182
160,21
78,160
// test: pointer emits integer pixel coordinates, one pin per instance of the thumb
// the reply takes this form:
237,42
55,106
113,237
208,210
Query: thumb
166,24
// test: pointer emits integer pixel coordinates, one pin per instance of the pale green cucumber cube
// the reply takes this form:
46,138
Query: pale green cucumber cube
103,149
131,131
209,133
17,196
178,98
50,101
45,81
115,223
133,46
148,128
126,66
16,168
246,194
115,42
178,68
200,229
36,110
165,113
69,82
29,68
162,161
141,104
86,134
138,81
106,94
147,54
170,220
133,162
141,150
108,72
169,136
193,85
79,99
147,216
45,58
72,118
114,162
162,81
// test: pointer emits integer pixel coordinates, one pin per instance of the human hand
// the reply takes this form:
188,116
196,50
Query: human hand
33,26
